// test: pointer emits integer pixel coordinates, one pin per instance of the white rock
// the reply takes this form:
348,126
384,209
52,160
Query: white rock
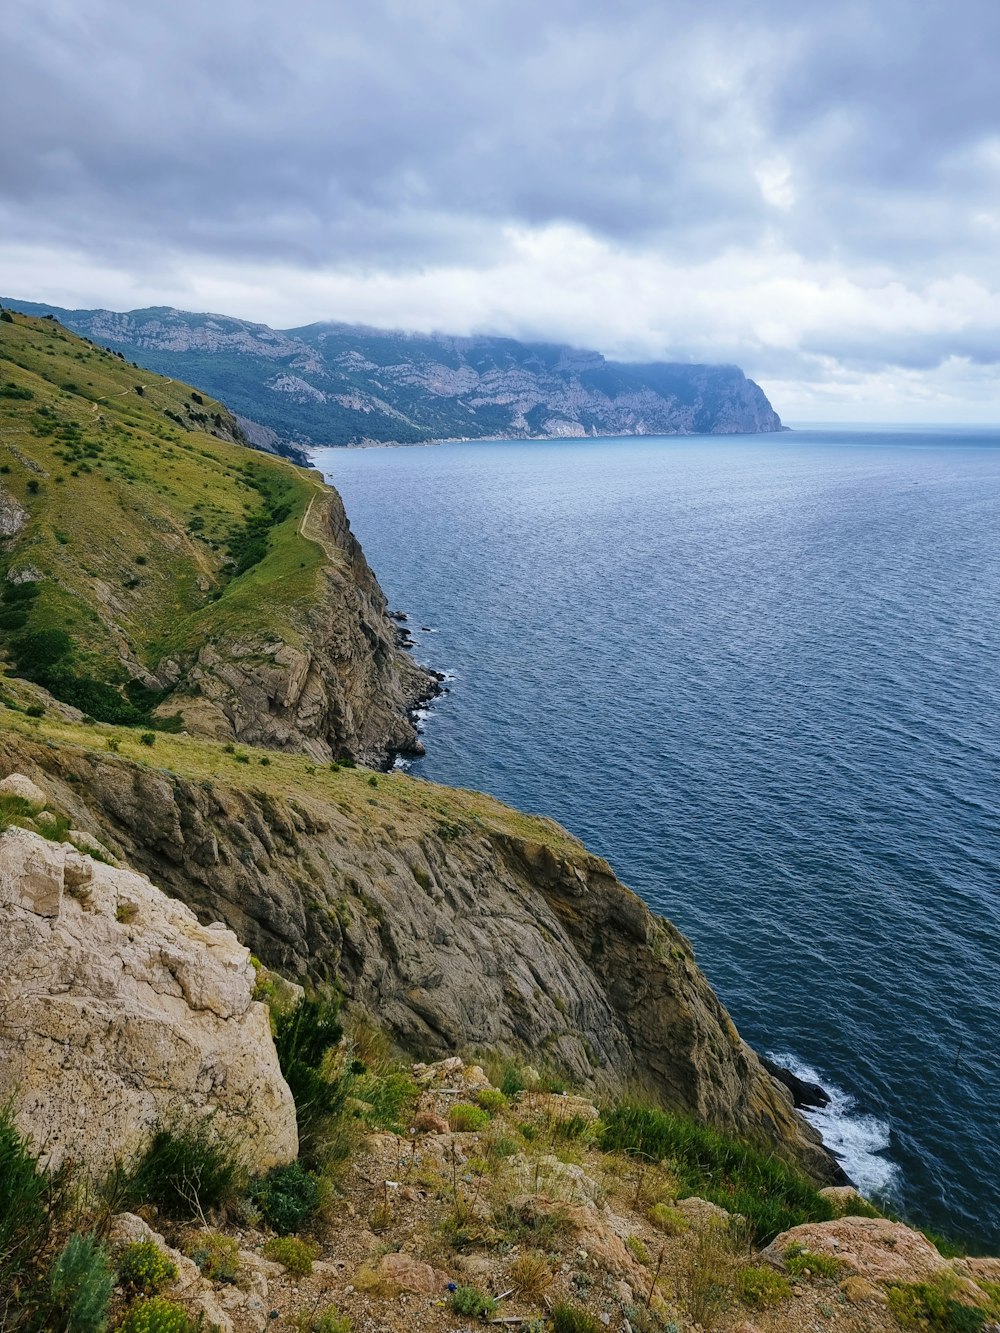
110,1028
18,785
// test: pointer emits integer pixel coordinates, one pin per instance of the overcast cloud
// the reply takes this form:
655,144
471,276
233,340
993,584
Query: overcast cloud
810,190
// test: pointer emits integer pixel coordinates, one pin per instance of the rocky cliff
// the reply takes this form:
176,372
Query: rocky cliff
346,384
458,923
119,1013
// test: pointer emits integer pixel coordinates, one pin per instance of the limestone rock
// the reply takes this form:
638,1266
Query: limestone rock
13,515
18,785
119,1012
426,1122
703,1213
871,1247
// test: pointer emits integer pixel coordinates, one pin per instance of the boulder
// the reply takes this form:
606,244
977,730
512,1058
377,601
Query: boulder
404,1273
426,1122
18,785
120,1013
870,1247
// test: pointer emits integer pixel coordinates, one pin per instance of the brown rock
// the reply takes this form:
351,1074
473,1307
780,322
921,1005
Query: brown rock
426,1122
702,1213
404,1273
872,1247
980,1270
859,1289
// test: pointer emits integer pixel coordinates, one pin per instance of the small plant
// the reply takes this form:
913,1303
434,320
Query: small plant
637,1249
126,912
217,1256
287,1196
671,1221
148,738
113,743
801,1262
473,1303
490,1099
530,1275
759,1286
327,1320
934,1307
465,1118
157,1315
34,710
568,1318
79,1287
144,1269
293,1253
186,1170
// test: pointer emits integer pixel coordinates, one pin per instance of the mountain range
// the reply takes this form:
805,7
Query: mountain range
346,384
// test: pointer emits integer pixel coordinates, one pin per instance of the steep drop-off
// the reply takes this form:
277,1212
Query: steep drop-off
458,923
155,568
336,383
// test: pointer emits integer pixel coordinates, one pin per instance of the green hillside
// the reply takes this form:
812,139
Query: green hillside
138,525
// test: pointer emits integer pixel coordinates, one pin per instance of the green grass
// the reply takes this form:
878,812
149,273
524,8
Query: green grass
148,529
735,1175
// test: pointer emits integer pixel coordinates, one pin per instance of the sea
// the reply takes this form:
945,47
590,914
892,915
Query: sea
761,676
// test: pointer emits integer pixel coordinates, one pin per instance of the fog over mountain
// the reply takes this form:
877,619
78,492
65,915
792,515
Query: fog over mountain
810,192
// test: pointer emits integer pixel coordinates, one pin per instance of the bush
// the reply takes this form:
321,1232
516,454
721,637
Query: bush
327,1320
531,1275
287,1197
157,1315
568,1318
148,738
933,1307
466,1118
217,1256
760,1286
473,1303
24,1212
79,1287
742,1179
303,1038
295,1254
490,1099
671,1221
144,1269
186,1170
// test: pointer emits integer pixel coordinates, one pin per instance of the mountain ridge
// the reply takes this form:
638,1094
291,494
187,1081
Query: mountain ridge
334,383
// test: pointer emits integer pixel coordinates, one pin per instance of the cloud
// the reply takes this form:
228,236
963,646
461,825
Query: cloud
811,192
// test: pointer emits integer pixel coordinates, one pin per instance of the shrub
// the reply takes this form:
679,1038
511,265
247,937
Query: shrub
144,1268
148,738
34,710
79,1287
490,1099
303,1038
327,1320
738,1177
287,1196
637,1249
217,1256
933,1307
472,1303
530,1275
389,1098
466,1118
760,1286
671,1221
157,1315
187,1169
295,1254
568,1318
24,1216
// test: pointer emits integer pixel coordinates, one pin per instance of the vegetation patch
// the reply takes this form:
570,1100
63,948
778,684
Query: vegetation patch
144,1269
291,1252
187,1170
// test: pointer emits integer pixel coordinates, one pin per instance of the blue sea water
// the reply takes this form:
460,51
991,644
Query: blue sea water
761,675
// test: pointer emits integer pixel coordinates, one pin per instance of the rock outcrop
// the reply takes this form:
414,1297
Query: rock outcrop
345,689
119,1013
457,932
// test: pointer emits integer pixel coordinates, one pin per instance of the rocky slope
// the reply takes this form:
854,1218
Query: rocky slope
458,923
119,1012
154,569
347,384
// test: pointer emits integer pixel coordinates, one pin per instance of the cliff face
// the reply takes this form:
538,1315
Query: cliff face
179,571
458,924
341,686
347,384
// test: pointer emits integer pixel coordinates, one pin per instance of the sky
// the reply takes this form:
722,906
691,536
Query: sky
809,190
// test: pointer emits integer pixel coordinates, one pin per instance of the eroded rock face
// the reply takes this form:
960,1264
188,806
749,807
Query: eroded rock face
457,940
119,1012
345,689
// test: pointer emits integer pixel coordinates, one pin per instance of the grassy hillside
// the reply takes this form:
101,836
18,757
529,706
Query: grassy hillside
147,528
